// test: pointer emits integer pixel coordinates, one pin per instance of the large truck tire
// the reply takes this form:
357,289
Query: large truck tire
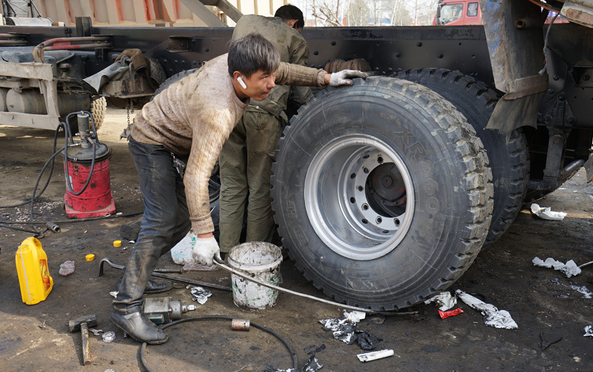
382,193
509,161
99,110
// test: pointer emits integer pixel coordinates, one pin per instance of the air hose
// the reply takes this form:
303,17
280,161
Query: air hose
142,350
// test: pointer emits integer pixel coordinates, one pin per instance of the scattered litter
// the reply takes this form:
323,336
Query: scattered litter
588,331
545,344
492,316
312,365
96,332
367,341
114,294
89,257
346,330
570,268
444,300
547,213
587,293
199,267
182,252
109,336
374,355
117,243
109,370
200,295
354,316
67,268
450,313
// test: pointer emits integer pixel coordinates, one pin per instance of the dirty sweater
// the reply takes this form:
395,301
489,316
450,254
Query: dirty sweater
293,49
195,116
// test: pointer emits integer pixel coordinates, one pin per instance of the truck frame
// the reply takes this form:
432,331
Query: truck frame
386,191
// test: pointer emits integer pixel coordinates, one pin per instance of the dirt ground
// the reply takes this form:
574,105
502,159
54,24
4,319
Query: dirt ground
543,302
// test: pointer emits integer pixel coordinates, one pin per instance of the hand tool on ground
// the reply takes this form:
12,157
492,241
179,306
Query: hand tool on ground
158,273
82,324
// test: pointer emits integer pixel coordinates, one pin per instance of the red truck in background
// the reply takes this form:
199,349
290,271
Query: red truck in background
457,13
468,12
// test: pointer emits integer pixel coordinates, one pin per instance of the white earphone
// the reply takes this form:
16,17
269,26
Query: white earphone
240,79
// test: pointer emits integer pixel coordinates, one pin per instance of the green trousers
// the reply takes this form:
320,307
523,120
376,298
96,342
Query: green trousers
245,169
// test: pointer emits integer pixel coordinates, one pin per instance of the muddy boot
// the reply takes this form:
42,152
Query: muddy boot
157,286
136,325
130,231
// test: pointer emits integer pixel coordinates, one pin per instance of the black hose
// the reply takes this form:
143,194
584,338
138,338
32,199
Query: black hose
69,135
142,350
41,173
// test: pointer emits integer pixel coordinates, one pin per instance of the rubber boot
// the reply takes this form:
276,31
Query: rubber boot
137,325
157,286
127,305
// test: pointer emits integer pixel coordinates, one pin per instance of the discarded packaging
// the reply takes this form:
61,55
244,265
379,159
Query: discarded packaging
570,268
492,316
181,253
200,295
547,213
109,336
587,293
588,331
114,294
354,316
67,268
450,313
347,332
312,365
367,341
444,300
374,355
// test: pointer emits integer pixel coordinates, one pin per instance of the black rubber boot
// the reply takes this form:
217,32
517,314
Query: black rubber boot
157,286
138,327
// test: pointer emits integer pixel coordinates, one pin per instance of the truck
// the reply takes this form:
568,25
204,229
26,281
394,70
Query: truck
385,191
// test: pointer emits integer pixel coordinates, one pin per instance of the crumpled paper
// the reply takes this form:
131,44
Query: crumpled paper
492,316
547,213
570,268
588,331
67,268
444,299
200,294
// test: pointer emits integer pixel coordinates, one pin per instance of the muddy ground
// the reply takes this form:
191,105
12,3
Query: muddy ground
36,337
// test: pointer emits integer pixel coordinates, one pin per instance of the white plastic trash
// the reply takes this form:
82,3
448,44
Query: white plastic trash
260,261
181,253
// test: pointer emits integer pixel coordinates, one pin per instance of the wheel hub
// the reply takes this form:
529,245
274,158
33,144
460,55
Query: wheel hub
357,195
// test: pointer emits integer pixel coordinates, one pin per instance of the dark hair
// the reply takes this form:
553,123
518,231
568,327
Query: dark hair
288,12
252,53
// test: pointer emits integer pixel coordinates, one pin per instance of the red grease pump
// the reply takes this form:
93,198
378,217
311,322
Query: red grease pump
86,167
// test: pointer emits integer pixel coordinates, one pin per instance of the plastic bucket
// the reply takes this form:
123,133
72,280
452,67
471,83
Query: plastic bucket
261,261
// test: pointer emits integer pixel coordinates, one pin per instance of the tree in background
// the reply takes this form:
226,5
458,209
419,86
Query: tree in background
335,13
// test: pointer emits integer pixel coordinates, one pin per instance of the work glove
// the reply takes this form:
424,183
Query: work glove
345,77
205,250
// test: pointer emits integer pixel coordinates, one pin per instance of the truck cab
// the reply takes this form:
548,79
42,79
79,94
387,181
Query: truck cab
458,13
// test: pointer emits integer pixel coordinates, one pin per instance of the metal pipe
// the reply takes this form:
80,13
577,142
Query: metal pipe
157,273
244,276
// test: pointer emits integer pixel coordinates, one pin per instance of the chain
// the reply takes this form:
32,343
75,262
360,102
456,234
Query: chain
129,109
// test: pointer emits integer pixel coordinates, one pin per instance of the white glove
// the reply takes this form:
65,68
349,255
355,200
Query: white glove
205,250
345,77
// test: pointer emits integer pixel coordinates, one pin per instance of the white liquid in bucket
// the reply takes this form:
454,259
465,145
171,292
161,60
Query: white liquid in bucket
261,261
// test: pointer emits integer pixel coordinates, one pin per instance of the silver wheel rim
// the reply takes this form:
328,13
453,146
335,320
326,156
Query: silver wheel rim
342,188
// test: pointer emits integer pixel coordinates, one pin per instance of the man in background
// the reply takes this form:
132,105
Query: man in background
247,156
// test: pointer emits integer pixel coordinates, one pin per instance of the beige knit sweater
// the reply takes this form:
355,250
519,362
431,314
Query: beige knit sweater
195,116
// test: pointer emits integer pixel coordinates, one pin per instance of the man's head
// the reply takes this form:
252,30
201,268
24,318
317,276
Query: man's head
252,62
292,16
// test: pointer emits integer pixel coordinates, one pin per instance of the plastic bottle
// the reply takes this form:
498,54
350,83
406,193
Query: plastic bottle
31,265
